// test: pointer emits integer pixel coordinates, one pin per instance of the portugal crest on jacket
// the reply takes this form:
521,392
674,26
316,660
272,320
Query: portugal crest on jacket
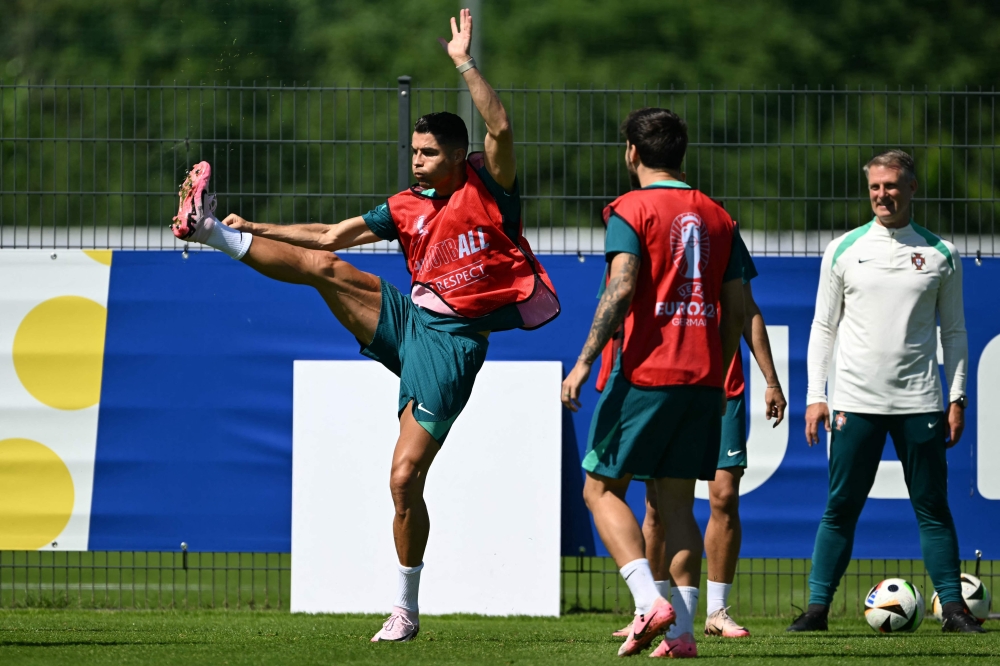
918,260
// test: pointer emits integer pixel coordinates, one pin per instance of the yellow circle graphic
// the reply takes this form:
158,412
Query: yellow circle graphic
36,495
59,352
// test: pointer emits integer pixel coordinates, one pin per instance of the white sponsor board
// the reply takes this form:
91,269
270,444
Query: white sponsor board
493,493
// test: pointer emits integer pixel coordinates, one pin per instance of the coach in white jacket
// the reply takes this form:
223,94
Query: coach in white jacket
882,288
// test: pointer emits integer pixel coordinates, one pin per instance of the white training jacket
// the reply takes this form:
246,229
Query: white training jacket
882,290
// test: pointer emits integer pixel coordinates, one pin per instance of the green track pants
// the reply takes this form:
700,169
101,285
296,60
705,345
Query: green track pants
855,452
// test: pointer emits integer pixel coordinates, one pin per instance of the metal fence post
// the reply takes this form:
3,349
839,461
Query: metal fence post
405,128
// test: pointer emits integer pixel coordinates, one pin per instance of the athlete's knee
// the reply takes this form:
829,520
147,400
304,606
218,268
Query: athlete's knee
724,500
596,487
323,267
405,483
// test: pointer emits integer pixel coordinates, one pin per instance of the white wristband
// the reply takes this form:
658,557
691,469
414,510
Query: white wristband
466,66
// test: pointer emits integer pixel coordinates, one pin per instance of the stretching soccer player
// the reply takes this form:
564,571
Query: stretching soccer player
724,532
473,273
882,289
674,280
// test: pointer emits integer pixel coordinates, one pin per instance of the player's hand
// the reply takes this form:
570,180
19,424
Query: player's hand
236,222
816,413
956,424
571,386
461,39
774,401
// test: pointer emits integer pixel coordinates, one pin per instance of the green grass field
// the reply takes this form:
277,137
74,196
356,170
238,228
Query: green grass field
79,638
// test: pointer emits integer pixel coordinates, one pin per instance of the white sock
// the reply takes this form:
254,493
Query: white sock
233,242
718,596
640,583
409,586
663,587
685,602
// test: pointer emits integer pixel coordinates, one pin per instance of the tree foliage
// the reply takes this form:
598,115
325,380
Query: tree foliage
602,42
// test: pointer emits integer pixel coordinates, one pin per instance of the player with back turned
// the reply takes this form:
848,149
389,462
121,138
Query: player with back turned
674,280
472,273
882,289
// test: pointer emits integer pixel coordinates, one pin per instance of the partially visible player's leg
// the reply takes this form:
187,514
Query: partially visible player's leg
723,536
411,460
856,447
855,452
724,533
919,440
656,549
620,532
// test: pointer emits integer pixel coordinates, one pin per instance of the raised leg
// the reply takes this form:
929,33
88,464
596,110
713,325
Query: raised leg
354,297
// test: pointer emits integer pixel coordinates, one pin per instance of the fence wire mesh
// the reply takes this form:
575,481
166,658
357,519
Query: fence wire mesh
98,165
262,581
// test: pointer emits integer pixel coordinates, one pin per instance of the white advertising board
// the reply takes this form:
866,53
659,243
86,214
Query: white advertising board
493,493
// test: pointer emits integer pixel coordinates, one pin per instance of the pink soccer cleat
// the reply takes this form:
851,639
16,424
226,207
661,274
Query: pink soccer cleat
624,631
645,628
682,647
720,624
402,626
194,219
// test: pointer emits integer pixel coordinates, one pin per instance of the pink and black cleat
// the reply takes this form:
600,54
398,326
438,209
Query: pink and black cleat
646,627
402,626
194,219
682,647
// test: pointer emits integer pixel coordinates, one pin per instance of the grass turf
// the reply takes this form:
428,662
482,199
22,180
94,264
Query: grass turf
219,637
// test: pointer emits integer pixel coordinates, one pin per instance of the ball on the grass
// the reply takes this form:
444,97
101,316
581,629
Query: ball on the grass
894,605
977,597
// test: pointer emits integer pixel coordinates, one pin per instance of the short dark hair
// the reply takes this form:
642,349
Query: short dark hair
894,159
660,136
448,129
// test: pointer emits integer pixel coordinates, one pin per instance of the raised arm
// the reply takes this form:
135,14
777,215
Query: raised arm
611,311
330,237
755,333
499,142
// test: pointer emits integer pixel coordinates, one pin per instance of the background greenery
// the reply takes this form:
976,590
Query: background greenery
604,42
100,157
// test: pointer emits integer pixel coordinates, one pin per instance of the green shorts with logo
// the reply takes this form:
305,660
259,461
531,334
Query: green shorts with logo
733,450
436,369
654,432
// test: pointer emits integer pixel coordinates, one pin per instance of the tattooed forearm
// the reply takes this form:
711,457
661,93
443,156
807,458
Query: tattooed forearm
613,307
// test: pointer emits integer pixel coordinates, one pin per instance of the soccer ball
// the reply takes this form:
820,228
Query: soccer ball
977,597
894,605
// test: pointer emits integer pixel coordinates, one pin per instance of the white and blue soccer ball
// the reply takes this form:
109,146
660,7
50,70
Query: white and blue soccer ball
977,597
894,605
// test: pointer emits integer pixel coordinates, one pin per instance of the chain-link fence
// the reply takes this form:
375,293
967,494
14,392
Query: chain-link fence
98,165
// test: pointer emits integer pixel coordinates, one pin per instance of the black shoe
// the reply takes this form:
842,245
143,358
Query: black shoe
956,618
814,619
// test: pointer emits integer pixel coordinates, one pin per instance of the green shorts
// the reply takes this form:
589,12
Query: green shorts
654,432
733,450
436,369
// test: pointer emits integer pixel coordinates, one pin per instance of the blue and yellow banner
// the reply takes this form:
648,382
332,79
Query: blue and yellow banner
146,400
